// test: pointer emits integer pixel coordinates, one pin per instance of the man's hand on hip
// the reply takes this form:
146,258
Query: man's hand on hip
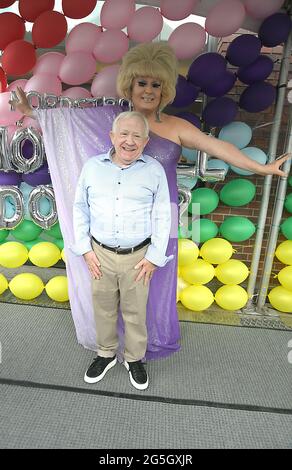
146,270
93,264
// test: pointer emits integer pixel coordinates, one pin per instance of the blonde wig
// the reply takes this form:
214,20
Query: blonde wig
156,60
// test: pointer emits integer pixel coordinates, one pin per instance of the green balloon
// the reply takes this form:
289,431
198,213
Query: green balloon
288,203
238,192
54,231
3,235
31,243
290,180
203,230
286,228
60,243
237,229
207,198
26,231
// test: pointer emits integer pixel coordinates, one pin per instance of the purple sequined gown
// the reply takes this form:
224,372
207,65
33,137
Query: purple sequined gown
71,136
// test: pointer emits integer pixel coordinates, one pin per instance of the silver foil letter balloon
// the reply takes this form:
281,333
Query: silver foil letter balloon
27,165
44,221
15,194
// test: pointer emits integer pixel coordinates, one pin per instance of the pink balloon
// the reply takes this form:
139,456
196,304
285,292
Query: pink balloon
50,63
116,15
83,37
29,122
225,18
7,117
111,46
177,9
187,40
105,82
76,92
44,83
11,131
145,24
13,85
77,68
262,9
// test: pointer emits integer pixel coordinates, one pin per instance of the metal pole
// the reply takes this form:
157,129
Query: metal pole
275,131
278,211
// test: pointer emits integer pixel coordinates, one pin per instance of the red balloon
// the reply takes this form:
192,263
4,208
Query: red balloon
49,29
12,28
18,58
6,3
76,9
3,80
32,9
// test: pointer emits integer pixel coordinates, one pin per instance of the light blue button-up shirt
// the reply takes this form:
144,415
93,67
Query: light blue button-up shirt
123,206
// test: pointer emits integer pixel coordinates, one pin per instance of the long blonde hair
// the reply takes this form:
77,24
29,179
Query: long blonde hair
156,60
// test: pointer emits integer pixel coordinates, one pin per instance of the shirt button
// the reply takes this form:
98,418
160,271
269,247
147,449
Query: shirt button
119,182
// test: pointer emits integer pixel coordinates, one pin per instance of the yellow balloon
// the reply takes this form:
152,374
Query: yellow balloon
44,254
231,297
199,272
26,286
285,277
181,284
63,255
281,299
13,254
232,271
216,251
3,284
284,252
187,251
196,298
57,288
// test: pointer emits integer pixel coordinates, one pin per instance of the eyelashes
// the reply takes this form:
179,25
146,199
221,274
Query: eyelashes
143,84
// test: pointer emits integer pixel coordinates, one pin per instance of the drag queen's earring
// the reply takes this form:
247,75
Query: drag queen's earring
158,115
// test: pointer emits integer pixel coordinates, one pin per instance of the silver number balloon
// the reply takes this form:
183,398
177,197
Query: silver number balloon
208,175
185,197
15,194
44,221
36,161
5,157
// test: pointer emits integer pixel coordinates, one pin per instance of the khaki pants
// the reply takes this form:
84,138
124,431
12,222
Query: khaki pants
117,287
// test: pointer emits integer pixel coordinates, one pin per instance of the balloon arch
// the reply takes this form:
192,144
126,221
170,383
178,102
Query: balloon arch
57,79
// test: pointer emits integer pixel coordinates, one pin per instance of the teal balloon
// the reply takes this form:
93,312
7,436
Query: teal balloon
237,229
238,192
202,230
3,235
54,231
288,203
207,199
237,133
190,154
219,164
189,183
32,243
286,228
254,154
9,207
26,231
290,180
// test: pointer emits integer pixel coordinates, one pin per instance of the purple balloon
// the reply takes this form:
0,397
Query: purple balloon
40,176
222,86
207,69
220,112
186,93
257,71
10,178
257,97
243,50
275,29
192,118
27,149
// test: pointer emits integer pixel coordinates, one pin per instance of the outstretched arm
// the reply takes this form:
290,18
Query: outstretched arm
192,137
22,104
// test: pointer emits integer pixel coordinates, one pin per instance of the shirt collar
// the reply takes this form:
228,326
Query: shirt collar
108,156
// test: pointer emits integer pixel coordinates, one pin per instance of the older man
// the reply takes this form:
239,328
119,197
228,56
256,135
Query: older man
122,225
